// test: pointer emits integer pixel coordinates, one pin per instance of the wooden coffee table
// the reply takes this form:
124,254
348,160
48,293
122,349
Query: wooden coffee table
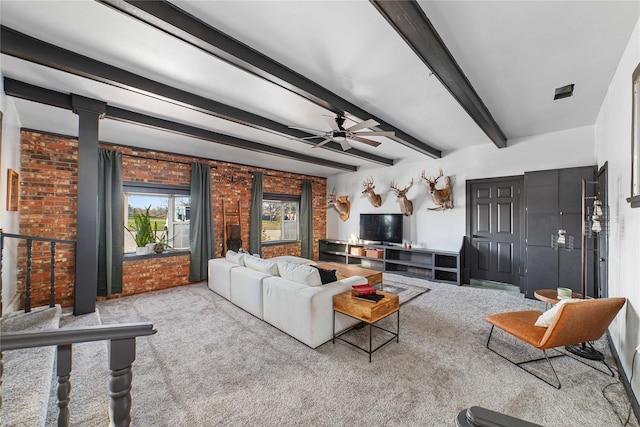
367,312
347,270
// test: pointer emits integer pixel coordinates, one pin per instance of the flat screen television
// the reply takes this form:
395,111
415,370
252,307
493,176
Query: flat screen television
385,228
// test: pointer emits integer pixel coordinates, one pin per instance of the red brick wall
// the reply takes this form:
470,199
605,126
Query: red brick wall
48,208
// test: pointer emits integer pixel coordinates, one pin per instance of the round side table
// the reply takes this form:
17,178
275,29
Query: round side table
550,296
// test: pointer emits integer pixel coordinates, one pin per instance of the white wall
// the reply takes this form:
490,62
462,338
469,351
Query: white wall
613,145
444,230
8,220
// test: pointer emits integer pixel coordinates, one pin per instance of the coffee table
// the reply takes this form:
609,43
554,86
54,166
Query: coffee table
369,313
347,270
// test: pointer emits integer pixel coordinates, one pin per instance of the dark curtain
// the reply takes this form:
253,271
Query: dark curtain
201,222
306,220
255,226
110,222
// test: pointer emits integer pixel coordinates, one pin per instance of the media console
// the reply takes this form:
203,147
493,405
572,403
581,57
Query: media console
439,266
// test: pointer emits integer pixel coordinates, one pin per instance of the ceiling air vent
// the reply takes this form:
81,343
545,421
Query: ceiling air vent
564,92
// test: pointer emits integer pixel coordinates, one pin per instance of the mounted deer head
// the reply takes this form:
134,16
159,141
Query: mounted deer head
375,199
341,204
406,205
442,197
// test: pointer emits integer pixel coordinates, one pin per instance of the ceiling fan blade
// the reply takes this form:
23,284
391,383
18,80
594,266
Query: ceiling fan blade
332,123
344,144
311,137
317,131
366,141
366,124
320,144
376,133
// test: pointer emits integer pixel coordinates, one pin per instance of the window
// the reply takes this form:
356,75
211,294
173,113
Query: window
280,218
169,208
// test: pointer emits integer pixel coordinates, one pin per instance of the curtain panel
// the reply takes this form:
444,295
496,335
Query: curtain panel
255,224
201,241
306,220
110,222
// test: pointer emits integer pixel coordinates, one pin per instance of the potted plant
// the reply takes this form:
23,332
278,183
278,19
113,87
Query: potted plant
161,241
141,231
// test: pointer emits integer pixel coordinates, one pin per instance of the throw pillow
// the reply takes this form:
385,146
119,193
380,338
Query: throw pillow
546,319
235,258
262,265
327,276
300,273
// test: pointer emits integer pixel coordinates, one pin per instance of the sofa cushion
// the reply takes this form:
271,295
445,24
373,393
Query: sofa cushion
299,273
294,259
262,265
327,276
235,258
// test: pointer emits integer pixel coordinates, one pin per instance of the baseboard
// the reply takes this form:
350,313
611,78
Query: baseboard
494,285
624,379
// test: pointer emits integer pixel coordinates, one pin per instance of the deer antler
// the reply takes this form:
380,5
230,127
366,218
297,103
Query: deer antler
399,192
368,183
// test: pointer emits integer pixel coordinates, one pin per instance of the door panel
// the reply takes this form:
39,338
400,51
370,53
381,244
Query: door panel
483,223
495,230
483,249
505,258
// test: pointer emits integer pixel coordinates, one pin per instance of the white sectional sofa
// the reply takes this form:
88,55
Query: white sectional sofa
284,292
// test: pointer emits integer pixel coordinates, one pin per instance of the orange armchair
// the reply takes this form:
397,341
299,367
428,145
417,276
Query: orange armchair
574,323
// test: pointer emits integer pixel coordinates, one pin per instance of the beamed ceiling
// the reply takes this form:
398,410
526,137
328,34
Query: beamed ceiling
226,80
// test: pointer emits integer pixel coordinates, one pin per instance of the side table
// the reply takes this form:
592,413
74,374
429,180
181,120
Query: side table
369,313
550,296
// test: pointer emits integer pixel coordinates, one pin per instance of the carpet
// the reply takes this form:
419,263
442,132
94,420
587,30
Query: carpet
212,363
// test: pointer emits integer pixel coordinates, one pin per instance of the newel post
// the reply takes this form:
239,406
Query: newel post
64,385
122,353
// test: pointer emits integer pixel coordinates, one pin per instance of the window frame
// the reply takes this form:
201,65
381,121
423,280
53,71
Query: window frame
634,199
282,198
151,189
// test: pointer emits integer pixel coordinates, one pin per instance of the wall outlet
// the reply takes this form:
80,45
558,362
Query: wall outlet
638,348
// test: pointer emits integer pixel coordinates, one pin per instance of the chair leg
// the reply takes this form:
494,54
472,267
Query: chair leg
519,364
601,359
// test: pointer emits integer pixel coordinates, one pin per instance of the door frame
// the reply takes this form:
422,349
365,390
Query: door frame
466,271
601,281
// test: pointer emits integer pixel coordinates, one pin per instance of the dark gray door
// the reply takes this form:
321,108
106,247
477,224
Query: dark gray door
495,232
553,200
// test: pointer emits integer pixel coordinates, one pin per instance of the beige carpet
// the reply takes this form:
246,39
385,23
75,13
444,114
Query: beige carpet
211,363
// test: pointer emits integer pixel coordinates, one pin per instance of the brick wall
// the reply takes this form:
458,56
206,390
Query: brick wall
48,208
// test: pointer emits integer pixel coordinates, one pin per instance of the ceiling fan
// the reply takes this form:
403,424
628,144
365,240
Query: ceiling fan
340,134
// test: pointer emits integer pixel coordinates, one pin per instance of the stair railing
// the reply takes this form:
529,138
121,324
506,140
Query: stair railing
29,242
122,353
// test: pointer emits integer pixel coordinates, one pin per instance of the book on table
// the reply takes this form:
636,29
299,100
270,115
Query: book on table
364,290
370,297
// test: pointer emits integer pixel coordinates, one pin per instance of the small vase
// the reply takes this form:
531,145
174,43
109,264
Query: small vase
142,250
158,248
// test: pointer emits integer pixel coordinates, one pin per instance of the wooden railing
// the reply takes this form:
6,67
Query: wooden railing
122,353
29,242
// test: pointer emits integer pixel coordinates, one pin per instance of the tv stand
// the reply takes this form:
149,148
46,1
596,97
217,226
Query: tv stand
435,265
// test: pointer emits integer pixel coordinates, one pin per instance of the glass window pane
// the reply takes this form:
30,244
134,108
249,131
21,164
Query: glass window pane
279,220
161,209
271,220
